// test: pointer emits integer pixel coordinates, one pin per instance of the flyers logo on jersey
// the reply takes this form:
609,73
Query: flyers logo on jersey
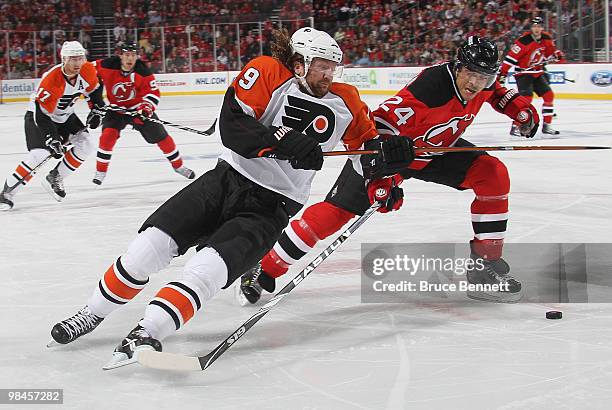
124,91
447,133
313,119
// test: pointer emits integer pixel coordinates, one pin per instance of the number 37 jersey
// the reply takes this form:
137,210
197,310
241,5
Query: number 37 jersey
266,94
56,96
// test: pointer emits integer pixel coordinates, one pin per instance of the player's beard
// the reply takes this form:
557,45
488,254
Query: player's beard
320,88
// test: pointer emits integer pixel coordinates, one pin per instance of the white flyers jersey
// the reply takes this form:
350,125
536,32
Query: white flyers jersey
56,95
267,91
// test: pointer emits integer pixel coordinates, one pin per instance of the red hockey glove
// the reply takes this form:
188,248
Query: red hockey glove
387,191
144,110
528,120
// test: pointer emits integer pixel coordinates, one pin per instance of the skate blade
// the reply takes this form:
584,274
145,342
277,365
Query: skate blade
50,191
121,359
5,207
240,298
52,343
498,298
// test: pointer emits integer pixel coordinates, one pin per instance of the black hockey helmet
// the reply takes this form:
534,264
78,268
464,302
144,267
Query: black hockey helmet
537,20
479,55
127,47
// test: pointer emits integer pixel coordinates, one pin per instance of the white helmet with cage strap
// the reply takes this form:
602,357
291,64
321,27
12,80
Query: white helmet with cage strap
72,49
311,43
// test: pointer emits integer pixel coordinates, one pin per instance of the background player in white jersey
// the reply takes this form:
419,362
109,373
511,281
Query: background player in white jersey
51,124
287,106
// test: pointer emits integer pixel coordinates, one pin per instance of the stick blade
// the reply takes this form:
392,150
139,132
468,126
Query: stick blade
168,361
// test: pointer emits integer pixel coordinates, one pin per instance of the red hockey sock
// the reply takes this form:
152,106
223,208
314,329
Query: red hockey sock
548,107
488,178
170,151
318,222
108,139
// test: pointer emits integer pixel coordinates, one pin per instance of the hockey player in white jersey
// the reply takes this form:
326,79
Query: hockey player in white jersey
277,116
51,124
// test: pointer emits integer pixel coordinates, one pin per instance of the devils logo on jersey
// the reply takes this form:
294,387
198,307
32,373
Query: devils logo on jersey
313,119
536,57
124,91
448,132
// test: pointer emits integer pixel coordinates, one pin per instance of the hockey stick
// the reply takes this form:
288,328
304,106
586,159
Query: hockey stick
171,361
132,113
470,149
29,174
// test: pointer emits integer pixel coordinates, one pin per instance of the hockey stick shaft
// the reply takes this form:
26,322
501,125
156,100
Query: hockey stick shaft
206,361
170,361
132,113
471,149
29,174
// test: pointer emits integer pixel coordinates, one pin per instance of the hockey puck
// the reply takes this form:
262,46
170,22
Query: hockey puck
554,314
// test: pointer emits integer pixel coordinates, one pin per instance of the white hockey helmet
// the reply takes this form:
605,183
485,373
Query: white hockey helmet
311,43
72,49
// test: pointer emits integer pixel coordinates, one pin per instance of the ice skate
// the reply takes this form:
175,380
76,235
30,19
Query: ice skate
493,273
6,202
54,185
184,171
251,285
127,351
74,327
549,131
98,177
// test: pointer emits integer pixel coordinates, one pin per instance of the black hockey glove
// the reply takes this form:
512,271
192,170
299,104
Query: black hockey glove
395,153
94,118
55,147
302,151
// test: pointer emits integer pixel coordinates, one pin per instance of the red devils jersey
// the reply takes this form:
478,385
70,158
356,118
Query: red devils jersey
431,111
127,89
528,55
265,95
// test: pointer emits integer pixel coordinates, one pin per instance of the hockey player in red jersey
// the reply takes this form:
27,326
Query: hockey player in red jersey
51,124
276,117
528,55
433,111
129,83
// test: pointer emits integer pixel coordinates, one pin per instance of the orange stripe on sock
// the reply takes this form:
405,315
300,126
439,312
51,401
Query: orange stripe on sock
117,287
72,160
178,300
23,173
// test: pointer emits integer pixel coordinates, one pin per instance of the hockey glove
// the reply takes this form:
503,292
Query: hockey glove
144,110
387,192
302,151
94,118
394,153
55,147
528,120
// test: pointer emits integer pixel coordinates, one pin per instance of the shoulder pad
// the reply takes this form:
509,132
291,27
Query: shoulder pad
114,63
433,87
141,69
525,39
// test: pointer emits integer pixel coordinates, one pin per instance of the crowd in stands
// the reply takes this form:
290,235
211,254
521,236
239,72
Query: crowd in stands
204,35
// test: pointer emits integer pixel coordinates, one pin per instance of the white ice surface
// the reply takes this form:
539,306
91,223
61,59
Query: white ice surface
321,348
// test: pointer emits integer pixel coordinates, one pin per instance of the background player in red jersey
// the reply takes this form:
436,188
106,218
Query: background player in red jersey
433,111
288,106
129,83
528,55
51,124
